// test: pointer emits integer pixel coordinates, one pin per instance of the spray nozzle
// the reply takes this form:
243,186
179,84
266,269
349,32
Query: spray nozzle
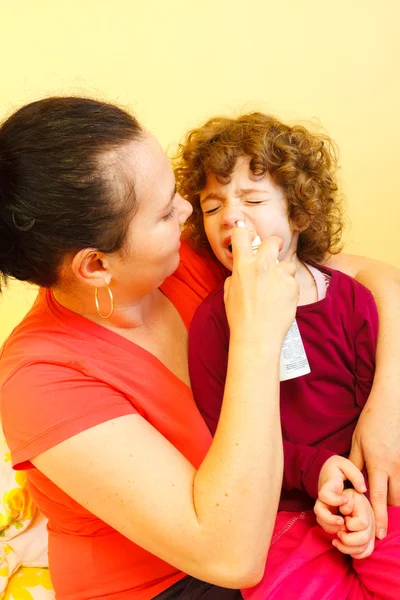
256,243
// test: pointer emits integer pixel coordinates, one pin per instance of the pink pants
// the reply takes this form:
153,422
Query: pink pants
303,565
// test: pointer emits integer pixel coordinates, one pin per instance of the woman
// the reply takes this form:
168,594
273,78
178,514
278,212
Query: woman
94,404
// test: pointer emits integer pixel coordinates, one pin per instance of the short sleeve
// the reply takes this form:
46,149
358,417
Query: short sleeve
200,270
43,404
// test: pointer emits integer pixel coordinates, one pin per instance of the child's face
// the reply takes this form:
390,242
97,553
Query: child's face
256,200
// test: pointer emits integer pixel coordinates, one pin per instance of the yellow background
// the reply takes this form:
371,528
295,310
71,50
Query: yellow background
177,62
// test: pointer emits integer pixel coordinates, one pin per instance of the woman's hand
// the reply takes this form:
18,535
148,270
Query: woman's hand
260,296
376,443
376,440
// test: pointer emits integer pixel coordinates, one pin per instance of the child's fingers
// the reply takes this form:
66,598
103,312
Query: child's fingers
360,523
329,494
357,552
329,522
355,539
353,474
324,512
366,552
348,508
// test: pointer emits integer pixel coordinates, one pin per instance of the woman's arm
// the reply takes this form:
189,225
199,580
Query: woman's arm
376,440
214,523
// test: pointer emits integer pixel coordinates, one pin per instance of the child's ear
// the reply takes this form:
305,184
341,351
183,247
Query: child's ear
300,228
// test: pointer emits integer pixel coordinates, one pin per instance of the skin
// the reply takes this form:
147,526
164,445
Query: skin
345,512
219,510
263,208
376,439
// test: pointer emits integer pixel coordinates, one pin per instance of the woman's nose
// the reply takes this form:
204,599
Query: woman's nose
185,210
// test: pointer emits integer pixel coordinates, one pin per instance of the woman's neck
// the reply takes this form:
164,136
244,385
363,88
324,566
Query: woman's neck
127,315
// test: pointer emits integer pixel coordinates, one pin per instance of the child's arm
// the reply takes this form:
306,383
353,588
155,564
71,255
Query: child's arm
376,440
208,352
345,512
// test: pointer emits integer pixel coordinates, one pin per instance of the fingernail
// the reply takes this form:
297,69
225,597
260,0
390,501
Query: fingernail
240,224
381,534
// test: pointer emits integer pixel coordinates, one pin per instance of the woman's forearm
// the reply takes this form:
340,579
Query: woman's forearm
244,487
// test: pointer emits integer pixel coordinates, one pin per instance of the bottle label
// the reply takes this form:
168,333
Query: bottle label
293,362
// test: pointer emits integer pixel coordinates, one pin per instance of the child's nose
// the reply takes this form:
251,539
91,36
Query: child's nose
231,214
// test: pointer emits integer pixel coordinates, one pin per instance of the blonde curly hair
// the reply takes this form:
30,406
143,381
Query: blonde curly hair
301,163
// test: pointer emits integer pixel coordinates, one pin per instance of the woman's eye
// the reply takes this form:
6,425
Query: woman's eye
170,214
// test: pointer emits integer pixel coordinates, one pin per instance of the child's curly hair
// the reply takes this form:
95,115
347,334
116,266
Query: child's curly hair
301,163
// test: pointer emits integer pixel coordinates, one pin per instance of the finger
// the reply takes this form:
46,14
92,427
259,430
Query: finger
241,243
353,474
325,515
269,250
359,522
348,508
355,538
356,456
378,488
290,268
226,287
331,529
367,552
351,550
329,495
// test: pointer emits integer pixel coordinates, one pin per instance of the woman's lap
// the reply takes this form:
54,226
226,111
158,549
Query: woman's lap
303,565
194,589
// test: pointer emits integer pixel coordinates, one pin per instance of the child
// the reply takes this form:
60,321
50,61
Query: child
280,180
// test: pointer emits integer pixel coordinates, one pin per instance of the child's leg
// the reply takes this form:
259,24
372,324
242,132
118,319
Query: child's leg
380,572
303,565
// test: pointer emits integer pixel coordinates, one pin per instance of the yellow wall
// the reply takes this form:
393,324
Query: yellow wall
176,62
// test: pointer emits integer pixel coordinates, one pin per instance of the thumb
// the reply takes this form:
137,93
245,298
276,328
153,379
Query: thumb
226,287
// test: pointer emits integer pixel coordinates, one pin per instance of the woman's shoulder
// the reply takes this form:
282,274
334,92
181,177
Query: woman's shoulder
199,269
197,275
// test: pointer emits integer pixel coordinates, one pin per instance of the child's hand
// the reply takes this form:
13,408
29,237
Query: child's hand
346,513
335,471
358,539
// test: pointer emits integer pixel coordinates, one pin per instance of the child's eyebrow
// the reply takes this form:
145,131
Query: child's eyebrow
212,196
240,192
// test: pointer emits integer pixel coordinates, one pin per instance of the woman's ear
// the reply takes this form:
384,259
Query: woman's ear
91,267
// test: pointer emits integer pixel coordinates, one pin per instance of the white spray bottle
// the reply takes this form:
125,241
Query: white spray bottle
293,362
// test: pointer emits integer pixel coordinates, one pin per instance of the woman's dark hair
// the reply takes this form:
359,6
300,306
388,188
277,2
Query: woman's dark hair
62,185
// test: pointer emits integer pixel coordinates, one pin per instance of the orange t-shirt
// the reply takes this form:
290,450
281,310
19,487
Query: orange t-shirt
61,374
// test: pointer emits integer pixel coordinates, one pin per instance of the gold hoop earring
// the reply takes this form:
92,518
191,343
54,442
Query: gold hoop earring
96,300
